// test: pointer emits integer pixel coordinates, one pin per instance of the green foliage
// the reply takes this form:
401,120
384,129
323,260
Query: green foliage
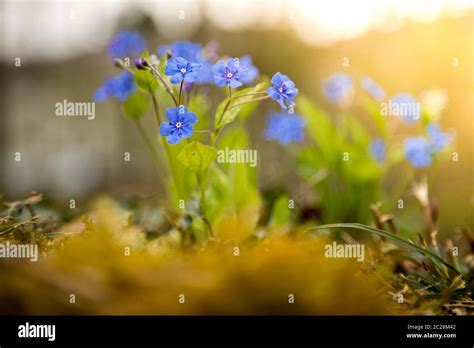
248,109
145,81
232,186
224,118
197,157
337,163
436,259
281,214
227,112
427,277
136,106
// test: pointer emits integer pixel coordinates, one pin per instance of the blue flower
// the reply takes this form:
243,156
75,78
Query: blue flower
283,90
194,53
405,105
126,44
438,139
371,87
229,74
252,71
180,124
418,152
377,149
285,128
339,88
180,69
119,87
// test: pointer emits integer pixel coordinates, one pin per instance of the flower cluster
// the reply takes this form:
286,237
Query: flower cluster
190,64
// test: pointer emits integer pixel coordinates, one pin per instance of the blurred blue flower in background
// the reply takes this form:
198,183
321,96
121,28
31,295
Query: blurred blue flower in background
378,149
252,71
407,105
230,73
186,49
180,69
438,139
194,53
126,44
205,75
374,89
418,152
180,124
339,88
119,87
283,90
285,128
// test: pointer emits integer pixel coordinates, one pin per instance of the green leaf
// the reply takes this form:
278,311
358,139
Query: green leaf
394,238
247,109
196,156
281,214
380,121
243,111
228,117
136,106
320,129
145,81
200,105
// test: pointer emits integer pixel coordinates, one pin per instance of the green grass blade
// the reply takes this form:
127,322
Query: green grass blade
394,238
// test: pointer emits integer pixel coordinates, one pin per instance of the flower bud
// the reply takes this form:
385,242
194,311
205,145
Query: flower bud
141,63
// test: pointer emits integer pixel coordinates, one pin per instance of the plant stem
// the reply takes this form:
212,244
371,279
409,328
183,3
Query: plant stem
24,223
216,131
163,82
203,204
250,101
180,91
166,145
248,94
156,108
151,148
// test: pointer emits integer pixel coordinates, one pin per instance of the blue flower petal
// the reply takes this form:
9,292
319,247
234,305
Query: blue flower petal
186,131
190,118
166,128
172,114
